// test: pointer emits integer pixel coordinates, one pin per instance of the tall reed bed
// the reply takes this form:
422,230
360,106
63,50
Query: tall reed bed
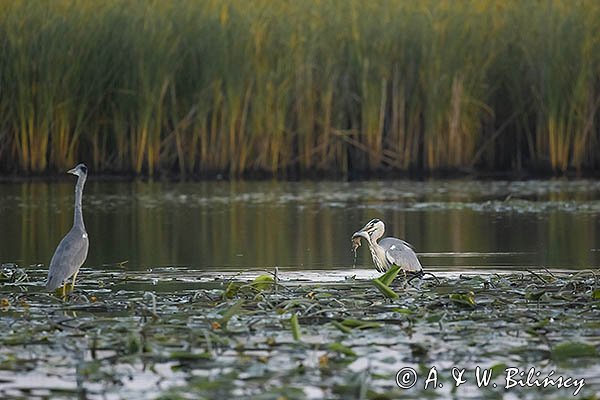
298,87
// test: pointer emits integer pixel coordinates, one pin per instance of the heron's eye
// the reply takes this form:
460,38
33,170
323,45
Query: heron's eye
83,169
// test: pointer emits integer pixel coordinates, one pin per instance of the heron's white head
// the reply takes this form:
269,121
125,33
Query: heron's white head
79,170
372,231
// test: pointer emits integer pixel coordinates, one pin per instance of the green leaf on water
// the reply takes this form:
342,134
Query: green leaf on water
596,294
340,348
389,275
133,344
436,317
341,327
323,295
232,290
385,289
568,350
464,299
263,282
498,369
534,295
358,324
295,326
234,309
418,350
188,356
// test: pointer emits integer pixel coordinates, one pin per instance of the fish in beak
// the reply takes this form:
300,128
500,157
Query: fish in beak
355,243
364,233
356,236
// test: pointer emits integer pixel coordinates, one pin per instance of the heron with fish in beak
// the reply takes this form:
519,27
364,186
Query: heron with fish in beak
387,251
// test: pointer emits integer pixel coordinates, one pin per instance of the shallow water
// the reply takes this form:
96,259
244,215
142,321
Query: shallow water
453,225
174,333
154,314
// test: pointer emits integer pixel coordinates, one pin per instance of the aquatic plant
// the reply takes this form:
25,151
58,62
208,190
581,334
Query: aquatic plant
295,88
179,328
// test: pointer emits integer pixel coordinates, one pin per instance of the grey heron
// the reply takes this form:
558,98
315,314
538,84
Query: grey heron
389,251
73,248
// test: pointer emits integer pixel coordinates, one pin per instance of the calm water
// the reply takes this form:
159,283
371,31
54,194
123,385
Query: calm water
453,225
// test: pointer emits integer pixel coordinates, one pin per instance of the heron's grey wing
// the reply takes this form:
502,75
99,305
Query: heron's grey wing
68,257
400,253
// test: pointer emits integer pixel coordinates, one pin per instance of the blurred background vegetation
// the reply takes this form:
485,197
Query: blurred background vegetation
293,88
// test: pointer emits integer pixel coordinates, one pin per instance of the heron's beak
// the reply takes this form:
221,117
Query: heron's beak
72,171
361,234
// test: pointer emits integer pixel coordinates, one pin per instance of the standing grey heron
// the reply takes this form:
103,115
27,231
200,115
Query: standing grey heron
73,248
389,251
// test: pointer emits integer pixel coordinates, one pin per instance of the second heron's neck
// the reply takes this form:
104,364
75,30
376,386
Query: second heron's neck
78,218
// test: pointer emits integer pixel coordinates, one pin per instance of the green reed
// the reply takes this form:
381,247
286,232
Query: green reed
298,87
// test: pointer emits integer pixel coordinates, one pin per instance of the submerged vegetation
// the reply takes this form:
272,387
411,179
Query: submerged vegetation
176,333
298,87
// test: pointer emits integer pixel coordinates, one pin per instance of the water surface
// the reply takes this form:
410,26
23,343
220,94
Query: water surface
154,313
453,225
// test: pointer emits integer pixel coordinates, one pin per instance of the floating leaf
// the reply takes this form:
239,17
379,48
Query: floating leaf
465,299
358,324
340,348
434,317
596,294
568,350
232,290
188,356
536,295
418,350
263,282
341,327
234,309
406,311
389,275
323,361
385,289
295,327
498,369
133,344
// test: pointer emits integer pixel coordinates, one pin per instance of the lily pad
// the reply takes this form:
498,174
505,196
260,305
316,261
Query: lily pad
463,299
569,350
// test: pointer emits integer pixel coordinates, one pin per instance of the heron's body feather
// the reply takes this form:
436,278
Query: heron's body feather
68,257
400,253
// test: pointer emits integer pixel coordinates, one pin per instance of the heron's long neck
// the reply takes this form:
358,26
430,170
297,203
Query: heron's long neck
374,246
377,253
78,218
